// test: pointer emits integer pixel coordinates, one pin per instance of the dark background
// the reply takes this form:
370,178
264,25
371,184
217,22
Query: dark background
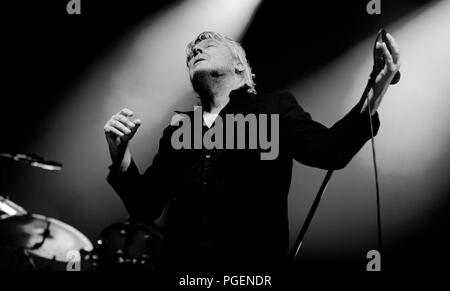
51,50
46,53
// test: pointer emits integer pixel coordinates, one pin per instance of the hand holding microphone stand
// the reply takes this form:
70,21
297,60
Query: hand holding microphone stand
378,65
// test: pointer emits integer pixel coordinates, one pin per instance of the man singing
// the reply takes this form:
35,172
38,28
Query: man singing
227,208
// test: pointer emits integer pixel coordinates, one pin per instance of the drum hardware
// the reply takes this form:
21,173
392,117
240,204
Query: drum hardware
36,242
43,236
30,240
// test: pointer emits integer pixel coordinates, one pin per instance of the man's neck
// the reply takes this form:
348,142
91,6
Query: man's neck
215,93
219,101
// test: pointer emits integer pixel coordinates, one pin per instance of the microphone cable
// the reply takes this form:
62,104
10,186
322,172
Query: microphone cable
378,65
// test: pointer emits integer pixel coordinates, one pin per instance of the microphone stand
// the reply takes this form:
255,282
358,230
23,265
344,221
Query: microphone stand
312,211
298,243
378,65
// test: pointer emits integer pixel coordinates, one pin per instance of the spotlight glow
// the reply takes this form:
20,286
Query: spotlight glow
146,73
412,144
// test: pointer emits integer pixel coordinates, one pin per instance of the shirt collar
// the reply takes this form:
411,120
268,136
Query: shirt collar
236,96
240,93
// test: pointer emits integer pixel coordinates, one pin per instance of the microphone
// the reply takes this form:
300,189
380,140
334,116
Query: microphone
379,59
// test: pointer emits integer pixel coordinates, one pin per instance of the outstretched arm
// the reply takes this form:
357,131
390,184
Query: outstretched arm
313,144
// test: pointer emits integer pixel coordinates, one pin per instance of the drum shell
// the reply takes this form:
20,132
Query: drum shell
128,246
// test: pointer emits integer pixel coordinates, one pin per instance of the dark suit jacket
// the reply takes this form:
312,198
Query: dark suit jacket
254,230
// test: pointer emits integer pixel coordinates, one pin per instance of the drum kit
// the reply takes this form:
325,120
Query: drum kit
34,242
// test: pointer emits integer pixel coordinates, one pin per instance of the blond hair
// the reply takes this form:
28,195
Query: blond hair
235,48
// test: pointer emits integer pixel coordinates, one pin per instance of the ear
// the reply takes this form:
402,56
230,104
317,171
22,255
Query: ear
239,67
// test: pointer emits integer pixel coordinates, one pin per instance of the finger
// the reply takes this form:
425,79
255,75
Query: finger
137,124
124,121
388,57
379,49
395,48
126,112
381,75
114,131
118,125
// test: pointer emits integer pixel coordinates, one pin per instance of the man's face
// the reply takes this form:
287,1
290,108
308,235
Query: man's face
210,56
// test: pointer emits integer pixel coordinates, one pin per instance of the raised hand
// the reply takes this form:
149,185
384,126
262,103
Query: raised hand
119,130
384,78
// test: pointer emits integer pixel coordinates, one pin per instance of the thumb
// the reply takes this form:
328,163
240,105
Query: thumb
118,140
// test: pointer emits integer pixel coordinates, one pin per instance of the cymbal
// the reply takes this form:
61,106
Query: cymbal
43,236
10,208
33,160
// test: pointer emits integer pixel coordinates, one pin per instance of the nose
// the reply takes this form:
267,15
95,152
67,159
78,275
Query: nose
197,51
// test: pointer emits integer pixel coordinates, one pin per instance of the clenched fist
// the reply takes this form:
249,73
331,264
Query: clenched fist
118,131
